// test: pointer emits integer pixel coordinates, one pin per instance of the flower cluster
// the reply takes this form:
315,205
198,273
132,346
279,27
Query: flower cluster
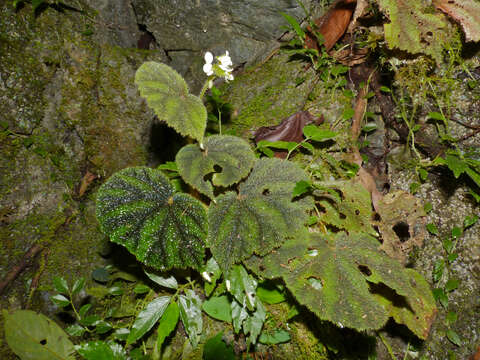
221,69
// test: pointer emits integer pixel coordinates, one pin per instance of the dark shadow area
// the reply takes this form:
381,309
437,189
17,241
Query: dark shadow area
164,143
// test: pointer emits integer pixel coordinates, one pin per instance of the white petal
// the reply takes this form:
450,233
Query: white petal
207,69
208,57
228,77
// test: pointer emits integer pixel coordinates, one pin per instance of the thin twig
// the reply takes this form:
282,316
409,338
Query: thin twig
16,270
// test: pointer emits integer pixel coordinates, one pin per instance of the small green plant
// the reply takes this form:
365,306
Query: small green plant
443,275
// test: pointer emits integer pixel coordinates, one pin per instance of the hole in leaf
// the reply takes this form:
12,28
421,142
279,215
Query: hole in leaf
315,283
43,342
377,217
365,270
397,300
357,212
217,168
342,216
401,229
266,192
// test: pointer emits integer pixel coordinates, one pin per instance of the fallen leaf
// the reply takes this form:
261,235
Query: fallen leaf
465,12
290,129
332,25
86,181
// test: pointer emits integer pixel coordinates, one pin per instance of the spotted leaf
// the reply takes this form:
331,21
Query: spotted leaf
139,209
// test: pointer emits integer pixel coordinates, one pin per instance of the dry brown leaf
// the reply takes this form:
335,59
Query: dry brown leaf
402,224
466,13
359,10
86,181
332,25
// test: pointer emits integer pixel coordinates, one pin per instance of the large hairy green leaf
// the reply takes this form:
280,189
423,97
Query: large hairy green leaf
139,209
167,94
33,336
232,154
347,206
260,217
333,277
413,28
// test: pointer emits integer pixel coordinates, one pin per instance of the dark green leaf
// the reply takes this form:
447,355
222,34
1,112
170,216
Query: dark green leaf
474,175
84,309
191,315
470,220
115,291
456,232
211,273
241,285
89,320
451,317
147,318
307,146
60,300
294,24
448,245
139,209
275,337
440,296
436,116
452,257
239,314
456,165
33,336
169,282
317,134
253,324
168,95
100,350
261,216
231,154
346,266
167,323
423,174
427,207
438,268
451,285
60,284
121,334
348,113
75,330
218,307
216,349
414,186
432,228
301,187
453,337
270,293
103,327
101,275
141,289
78,285
37,3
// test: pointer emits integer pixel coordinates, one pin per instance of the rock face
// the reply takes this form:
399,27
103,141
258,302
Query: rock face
185,29
71,115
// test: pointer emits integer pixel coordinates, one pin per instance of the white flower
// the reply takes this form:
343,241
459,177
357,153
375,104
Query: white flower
228,77
207,68
225,62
